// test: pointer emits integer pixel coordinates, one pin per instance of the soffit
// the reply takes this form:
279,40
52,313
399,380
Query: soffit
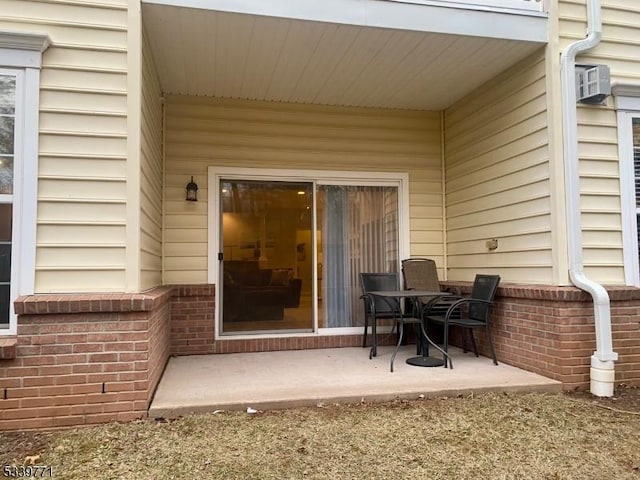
246,56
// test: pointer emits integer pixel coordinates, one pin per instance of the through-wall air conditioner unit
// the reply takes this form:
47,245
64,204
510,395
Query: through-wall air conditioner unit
593,83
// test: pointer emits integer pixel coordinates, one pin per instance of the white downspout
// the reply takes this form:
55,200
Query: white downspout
602,367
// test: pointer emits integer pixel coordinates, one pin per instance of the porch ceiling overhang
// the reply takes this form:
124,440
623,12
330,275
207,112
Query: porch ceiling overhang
361,53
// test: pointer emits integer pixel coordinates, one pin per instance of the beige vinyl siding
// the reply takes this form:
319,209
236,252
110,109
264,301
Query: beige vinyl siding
150,174
204,131
83,135
597,133
497,178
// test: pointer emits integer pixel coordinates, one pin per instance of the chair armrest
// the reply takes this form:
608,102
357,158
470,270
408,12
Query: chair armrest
394,304
366,298
459,302
440,301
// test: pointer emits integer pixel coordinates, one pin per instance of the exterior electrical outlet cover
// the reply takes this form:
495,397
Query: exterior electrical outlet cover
593,83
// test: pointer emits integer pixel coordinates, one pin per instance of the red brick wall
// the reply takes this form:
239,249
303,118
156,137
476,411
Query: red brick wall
192,319
193,332
625,313
551,331
95,358
159,345
84,359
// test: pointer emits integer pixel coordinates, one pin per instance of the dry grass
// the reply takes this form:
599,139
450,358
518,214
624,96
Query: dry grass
494,436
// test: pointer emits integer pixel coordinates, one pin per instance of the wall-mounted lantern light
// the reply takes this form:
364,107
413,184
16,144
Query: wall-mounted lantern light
192,191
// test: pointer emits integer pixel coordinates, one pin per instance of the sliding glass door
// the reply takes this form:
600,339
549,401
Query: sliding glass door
290,252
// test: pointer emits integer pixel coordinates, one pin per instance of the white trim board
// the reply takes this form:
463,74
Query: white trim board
456,18
627,101
21,55
628,197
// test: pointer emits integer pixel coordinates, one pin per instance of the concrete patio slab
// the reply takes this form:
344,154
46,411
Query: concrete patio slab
284,379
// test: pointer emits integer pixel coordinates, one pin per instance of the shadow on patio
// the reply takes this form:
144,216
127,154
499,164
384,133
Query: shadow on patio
271,380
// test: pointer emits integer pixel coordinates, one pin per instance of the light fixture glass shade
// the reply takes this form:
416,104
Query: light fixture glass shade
192,191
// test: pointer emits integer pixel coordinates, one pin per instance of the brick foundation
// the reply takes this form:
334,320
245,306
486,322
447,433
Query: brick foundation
82,359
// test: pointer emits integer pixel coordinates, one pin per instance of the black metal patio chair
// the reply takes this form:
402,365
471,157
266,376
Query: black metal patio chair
474,315
370,282
422,274
377,308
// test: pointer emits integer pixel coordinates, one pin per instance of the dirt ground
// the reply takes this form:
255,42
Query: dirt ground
625,399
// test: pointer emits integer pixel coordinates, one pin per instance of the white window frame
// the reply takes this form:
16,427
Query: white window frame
21,55
628,108
317,177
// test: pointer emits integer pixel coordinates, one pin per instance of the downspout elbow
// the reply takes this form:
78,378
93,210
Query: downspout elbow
602,313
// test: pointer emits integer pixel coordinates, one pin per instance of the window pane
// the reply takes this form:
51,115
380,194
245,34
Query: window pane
267,273
6,175
359,233
4,306
5,263
6,218
7,95
6,135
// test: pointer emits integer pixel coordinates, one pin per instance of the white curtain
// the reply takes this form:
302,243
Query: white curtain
359,234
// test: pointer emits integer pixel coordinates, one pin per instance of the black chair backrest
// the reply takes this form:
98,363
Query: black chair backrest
420,274
484,288
371,282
